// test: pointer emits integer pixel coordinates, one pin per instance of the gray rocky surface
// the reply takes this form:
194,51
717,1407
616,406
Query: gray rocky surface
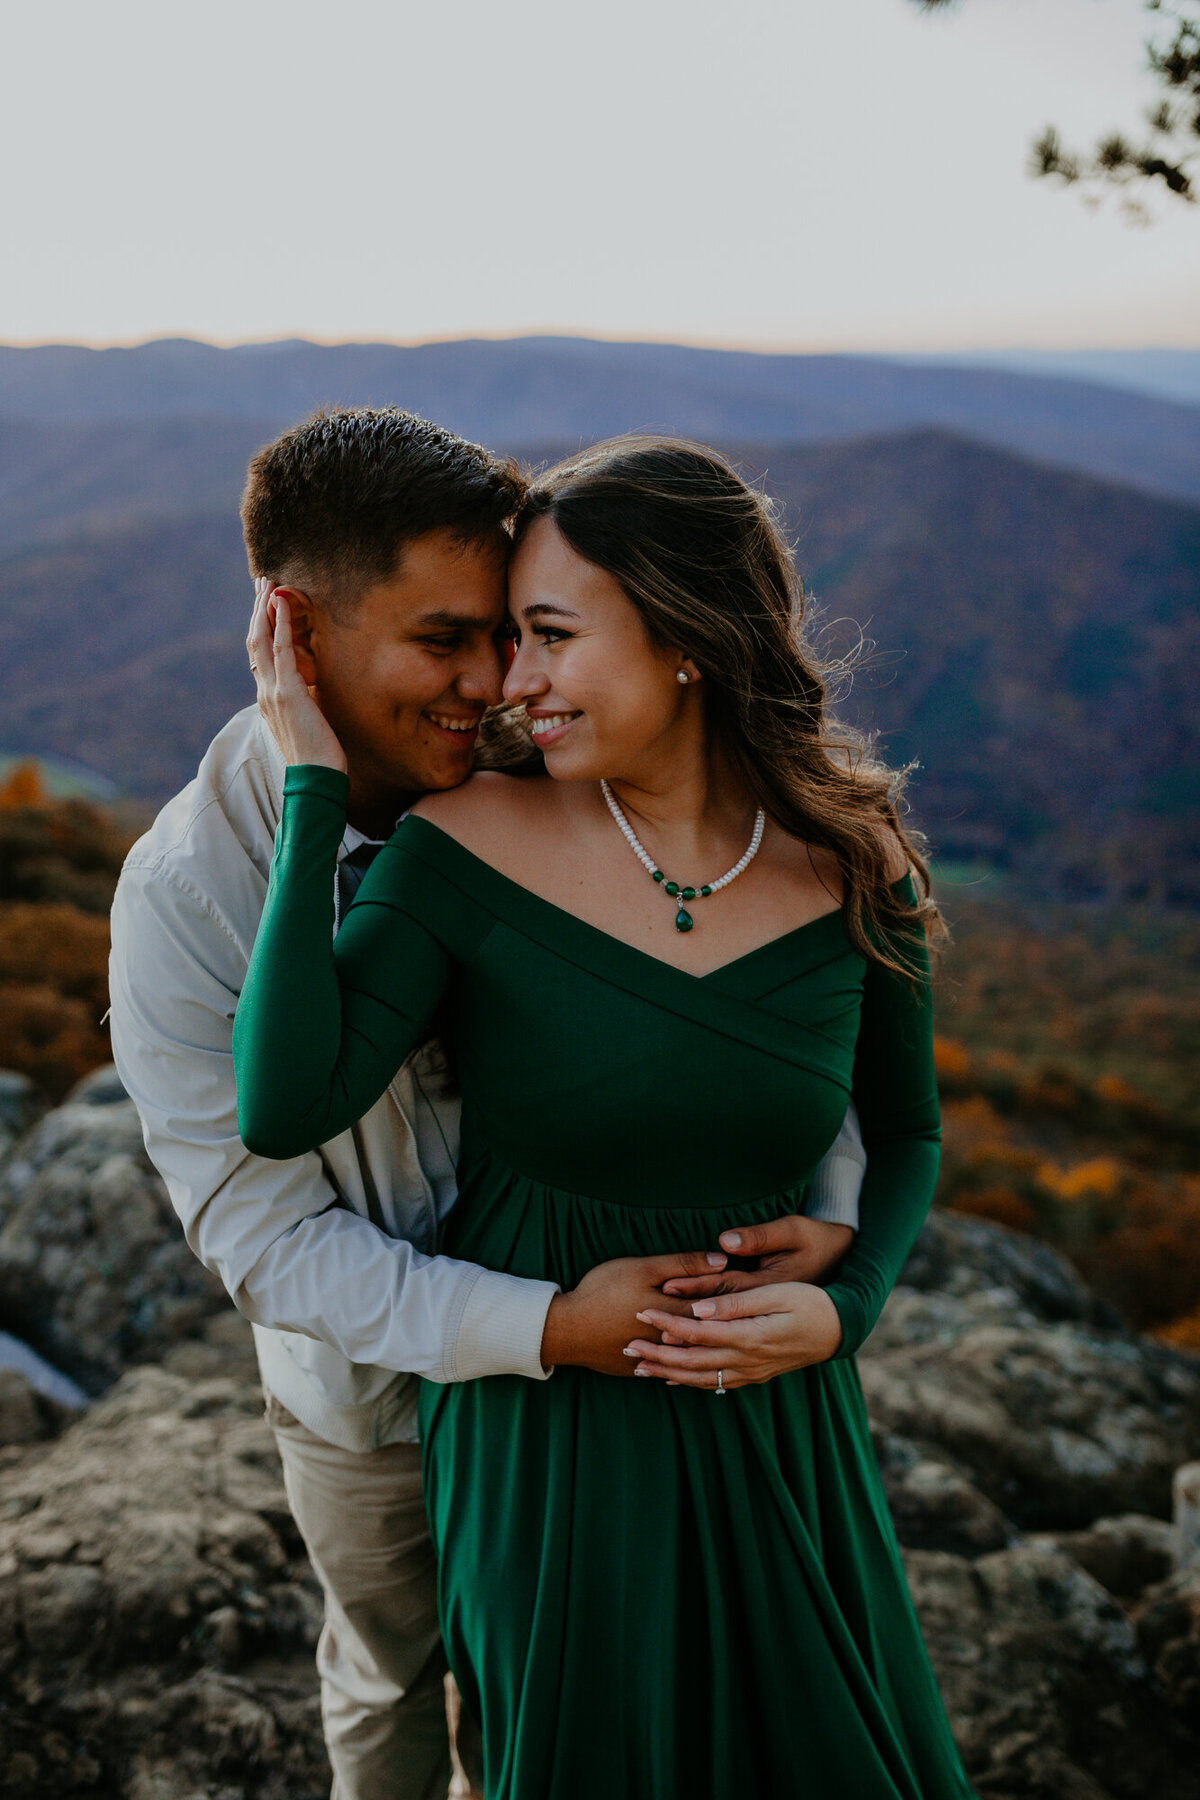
94,1272
157,1617
1047,1686
1126,1555
1057,1424
103,1087
1166,1618
26,1416
963,1258
22,1104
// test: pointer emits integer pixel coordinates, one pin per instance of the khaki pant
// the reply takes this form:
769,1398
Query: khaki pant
380,1658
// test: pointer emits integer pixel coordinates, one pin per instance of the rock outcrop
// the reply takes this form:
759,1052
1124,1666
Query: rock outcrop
1057,1424
94,1272
22,1104
157,1617
1045,1681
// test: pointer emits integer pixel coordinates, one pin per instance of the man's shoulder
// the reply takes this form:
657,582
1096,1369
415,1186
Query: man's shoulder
231,802
213,840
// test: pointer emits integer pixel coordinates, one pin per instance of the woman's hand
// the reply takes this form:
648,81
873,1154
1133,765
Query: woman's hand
750,1337
297,723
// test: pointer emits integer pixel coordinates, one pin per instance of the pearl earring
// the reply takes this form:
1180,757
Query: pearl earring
683,677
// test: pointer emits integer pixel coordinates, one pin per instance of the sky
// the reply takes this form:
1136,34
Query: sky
800,174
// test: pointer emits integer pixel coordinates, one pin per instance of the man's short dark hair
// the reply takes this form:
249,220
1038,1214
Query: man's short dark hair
332,503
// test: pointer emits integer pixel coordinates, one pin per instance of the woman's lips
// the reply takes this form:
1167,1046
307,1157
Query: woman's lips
551,728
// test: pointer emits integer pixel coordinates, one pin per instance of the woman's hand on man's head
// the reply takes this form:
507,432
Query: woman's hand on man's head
288,705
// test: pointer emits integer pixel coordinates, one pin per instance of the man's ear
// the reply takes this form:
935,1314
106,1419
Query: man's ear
303,625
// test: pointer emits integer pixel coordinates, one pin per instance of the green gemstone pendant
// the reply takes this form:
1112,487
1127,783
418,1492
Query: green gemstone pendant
682,893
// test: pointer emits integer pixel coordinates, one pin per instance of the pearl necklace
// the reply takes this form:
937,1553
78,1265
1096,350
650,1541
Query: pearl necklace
683,918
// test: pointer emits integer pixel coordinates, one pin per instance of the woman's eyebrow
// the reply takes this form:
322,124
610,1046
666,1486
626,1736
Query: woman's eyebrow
546,608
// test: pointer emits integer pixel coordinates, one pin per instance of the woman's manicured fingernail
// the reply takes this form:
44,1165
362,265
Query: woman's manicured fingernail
641,1371
630,1351
646,1318
732,1240
704,1309
714,1261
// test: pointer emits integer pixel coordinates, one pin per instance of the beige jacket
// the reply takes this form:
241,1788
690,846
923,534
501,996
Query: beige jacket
332,1256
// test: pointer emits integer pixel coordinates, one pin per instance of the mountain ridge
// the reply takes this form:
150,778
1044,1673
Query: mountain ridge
1033,633
558,389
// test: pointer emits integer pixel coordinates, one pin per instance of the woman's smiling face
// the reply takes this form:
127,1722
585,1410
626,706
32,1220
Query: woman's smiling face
600,695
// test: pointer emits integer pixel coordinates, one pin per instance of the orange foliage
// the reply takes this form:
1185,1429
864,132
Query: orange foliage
1118,1092
1132,1230
1150,1264
951,1059
57,946
49,1037
1049,1090
1100,1177
53,993
1000,1203
23,787
1183,1333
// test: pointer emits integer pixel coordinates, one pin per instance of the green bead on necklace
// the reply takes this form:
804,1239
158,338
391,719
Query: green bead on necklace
683,918
673,889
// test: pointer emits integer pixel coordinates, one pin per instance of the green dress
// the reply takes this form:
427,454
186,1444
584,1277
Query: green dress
647,1593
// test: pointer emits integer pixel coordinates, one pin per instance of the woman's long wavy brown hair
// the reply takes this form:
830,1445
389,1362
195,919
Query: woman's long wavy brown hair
703,557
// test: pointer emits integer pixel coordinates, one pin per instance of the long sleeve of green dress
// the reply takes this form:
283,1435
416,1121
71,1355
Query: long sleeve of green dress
323,1025
895,1090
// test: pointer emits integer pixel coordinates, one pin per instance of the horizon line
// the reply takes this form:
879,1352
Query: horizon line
737,346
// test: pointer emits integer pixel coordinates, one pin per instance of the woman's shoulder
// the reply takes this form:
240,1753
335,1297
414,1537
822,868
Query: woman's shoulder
488,809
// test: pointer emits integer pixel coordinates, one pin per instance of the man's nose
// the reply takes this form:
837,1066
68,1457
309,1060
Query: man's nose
524,681
482,678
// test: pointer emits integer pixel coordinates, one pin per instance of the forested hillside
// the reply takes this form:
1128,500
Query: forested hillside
561,389
1032,632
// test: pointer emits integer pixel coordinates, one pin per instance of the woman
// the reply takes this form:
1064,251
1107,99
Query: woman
645,1592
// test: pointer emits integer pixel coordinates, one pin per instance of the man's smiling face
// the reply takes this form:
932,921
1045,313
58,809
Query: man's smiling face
405,672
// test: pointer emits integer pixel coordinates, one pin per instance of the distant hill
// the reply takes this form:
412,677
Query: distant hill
562,390
65,476
1167,374
1036,635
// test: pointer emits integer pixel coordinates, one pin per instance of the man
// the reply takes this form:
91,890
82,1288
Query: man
388,537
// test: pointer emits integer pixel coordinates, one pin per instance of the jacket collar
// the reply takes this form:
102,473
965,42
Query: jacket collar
275,766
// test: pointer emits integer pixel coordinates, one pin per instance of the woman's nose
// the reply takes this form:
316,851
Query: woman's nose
524,679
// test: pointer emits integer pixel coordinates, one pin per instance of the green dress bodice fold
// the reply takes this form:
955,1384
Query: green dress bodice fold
646,1592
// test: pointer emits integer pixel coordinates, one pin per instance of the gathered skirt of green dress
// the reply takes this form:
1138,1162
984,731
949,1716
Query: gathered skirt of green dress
647,1593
